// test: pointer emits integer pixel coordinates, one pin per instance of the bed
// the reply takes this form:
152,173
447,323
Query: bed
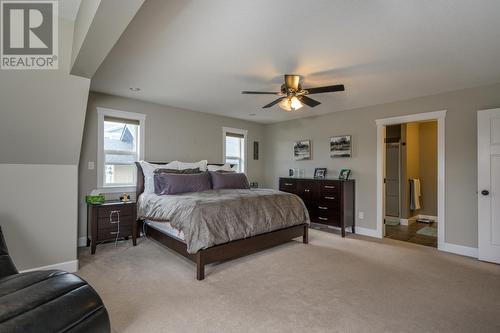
217,225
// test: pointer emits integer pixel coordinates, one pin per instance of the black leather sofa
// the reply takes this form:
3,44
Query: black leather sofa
47,301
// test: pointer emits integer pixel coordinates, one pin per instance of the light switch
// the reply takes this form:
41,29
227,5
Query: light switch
361,215
91,165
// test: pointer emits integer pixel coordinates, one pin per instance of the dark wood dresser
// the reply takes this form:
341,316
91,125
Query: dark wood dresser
329,201
110,221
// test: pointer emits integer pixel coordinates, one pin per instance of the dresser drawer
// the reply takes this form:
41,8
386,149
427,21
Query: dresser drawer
330,200
123,210
288,185
330,189
327,209
329,219
106,222
111,233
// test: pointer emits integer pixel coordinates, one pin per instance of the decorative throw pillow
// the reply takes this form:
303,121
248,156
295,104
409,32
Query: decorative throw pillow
226,167
170,183
228,180
202,165
148,171
184,172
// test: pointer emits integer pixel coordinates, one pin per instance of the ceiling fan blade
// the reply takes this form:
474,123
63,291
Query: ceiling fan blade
273,103
260,92
309,101
319,90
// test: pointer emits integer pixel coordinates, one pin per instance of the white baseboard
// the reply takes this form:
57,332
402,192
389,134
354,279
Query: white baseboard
430,217
366,232
459,249
82,241
68,266
392,219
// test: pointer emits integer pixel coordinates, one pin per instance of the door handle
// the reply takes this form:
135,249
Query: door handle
485,192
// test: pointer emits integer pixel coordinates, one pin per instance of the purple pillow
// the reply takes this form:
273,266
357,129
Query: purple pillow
224,180
169,183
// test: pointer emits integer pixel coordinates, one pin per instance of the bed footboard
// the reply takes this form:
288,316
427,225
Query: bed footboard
230,250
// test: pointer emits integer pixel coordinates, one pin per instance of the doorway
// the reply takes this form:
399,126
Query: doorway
411,182
402,213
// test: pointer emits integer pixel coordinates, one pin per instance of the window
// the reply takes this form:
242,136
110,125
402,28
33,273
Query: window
121,142
235,147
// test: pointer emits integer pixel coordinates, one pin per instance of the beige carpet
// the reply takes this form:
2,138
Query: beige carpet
355,284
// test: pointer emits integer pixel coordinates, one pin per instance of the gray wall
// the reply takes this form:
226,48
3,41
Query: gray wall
42,114
461,152
171,134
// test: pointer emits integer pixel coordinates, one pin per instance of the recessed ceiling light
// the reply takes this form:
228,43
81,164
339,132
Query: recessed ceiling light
252,114
135,89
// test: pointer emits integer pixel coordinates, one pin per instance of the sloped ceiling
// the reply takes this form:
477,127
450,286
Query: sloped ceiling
42,112
200,54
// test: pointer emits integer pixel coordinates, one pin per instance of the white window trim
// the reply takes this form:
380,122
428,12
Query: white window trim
243,132
104,112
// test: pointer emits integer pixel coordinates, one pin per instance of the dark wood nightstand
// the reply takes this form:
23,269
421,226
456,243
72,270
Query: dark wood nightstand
110,221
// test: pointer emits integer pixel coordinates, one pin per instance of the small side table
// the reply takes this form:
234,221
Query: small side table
110,221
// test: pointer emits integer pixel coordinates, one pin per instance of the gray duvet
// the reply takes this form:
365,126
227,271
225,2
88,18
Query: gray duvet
219,216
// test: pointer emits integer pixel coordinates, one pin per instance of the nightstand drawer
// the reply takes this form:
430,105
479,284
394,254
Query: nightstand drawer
112,233
105,222
123,210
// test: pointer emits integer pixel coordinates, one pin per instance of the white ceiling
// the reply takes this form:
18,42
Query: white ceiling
200,55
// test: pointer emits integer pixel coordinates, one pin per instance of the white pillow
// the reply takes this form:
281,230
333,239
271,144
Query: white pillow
148,170
201,164
225,167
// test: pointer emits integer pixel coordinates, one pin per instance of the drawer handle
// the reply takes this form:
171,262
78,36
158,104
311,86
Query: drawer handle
288,184
323,218
307,190
329,186
324,208
330,198
114,232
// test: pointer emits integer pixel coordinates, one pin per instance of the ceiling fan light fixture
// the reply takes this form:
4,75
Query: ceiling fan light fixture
295,103
286,104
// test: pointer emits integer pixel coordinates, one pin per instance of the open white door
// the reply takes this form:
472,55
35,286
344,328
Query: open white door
488,168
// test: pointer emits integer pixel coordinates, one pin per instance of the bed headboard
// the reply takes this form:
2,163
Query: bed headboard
139,188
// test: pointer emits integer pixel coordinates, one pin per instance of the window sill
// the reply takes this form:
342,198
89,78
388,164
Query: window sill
117,189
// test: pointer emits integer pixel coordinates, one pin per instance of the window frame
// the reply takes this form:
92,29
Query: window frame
239,131
101,114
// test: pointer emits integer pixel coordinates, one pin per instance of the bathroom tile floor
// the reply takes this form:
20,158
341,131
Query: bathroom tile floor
408,233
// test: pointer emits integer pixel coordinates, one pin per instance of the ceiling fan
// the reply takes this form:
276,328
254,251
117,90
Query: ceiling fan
293,96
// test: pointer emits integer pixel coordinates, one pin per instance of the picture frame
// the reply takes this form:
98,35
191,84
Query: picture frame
302,150
344,174
320,173
341,146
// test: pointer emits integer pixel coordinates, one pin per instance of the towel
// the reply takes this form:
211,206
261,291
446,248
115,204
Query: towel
415,194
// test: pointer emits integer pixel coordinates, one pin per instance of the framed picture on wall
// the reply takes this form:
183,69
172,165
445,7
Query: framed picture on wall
340,146
302,150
